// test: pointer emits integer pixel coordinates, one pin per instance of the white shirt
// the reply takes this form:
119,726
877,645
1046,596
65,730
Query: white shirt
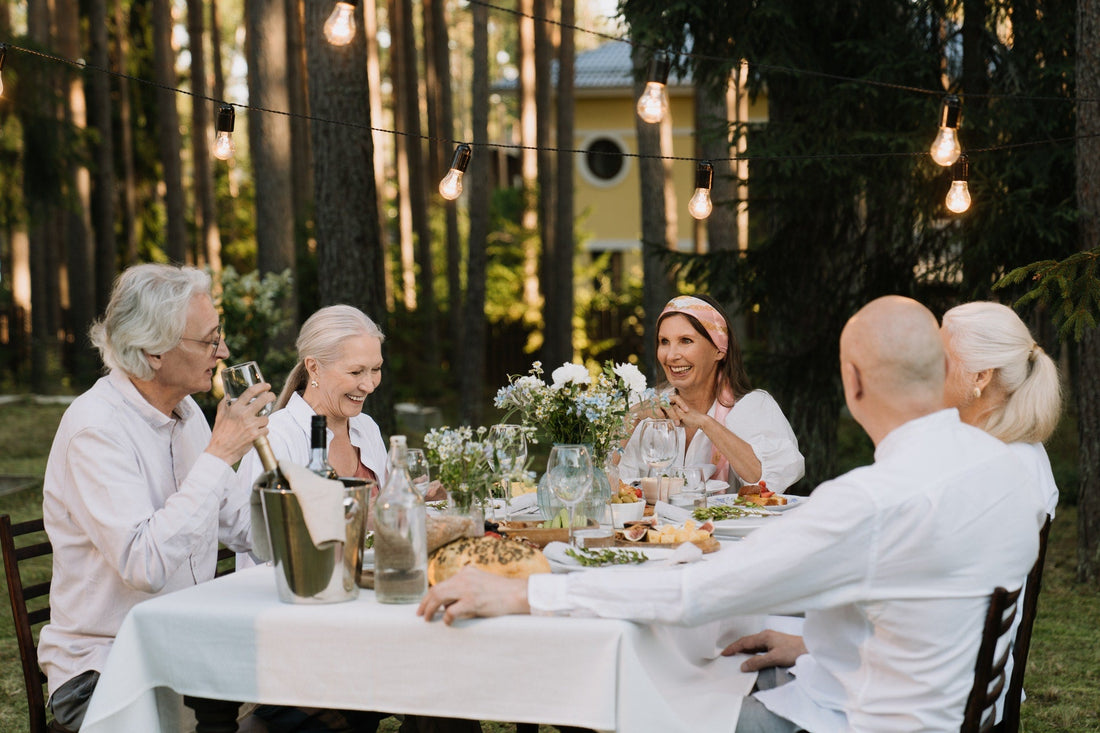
1034,457
755,419
289,432
893,564
134,509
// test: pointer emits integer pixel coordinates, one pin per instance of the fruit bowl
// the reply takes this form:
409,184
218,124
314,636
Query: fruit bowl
629,512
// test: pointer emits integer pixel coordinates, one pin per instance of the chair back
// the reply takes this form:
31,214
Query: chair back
1010,719
989,670
25,618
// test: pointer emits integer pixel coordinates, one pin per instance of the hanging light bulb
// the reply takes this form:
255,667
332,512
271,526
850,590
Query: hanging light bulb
340,26
3,53
946,148
700,205
451,186
958,196
223,143
653,104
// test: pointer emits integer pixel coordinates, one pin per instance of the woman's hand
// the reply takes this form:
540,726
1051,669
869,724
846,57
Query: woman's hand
685,415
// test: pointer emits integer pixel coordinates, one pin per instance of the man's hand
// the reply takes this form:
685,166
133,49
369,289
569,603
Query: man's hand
474,592
772,649
237,425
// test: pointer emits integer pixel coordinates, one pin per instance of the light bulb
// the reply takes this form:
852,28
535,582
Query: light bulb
340,26
223,146
946,148
653,104
958,196
223,143
451,186
700,205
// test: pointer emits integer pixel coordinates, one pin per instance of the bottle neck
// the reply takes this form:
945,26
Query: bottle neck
267,456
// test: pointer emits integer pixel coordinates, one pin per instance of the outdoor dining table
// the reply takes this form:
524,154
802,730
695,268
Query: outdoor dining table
232,639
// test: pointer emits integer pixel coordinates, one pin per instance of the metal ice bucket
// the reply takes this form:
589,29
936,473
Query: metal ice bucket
308,574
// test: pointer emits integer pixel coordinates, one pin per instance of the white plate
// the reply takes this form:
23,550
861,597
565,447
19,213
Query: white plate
715,485
561,562
728,528
792,502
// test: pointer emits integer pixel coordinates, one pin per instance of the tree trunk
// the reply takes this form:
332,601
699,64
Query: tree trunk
528,124
206,218
78,221
401,149
544,141
103,183
560,250
269,141
168,132
719,230
437,51
1088,206
349,252
656,283
301,156
126,141
381,139
473,367
418,203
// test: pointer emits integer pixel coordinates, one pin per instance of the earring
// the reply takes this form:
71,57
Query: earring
313,383
977,392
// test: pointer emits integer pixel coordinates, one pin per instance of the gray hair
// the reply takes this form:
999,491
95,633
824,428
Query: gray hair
322,336
987,335
147,314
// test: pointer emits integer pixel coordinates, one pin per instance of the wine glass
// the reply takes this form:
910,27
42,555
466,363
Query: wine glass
658,442
507,454
569,473
238,378
694,492
417,463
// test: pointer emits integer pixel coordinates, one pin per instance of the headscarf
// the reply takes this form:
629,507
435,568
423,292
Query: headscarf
707,315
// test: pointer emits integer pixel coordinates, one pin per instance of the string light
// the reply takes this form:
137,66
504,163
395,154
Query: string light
451,186
946,148
653,104
3,53
700,205
340,26
958,196
223,143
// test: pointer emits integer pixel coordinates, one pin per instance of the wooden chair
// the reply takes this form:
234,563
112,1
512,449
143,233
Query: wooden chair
1010,718
26,619
989,670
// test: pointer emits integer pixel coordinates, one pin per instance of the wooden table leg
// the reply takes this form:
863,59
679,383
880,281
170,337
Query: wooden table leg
213,716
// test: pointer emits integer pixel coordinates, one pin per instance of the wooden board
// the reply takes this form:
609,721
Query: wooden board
536,533
707,546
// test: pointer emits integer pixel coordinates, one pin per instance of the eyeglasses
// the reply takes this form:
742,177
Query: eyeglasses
214,344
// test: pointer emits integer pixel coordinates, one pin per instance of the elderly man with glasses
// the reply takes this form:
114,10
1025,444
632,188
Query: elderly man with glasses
139,490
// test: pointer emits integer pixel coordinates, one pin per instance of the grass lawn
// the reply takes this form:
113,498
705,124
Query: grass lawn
1063,678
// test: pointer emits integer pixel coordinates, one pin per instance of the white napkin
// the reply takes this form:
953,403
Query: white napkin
322,502
671,514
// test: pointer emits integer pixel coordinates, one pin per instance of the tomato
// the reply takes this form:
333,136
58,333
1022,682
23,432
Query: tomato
638,493
494,534
763,484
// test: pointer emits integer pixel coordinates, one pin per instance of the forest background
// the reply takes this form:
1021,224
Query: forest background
107,121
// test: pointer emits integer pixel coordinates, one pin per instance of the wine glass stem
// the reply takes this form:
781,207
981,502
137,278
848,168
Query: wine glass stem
572,509
506,487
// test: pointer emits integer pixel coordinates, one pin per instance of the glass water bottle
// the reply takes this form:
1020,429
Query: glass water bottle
400,534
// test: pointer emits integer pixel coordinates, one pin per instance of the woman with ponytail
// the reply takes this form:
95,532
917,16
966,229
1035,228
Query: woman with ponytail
1003,382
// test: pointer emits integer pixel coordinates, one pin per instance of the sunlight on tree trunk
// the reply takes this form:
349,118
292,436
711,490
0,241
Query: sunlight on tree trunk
168,132
401,161
382,141
103,153
206,219
126,141
528,124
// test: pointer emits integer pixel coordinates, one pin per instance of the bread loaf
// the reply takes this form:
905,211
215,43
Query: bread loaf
492,554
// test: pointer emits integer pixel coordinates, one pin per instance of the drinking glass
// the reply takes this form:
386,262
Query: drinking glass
569,473
417,464
238,378
694,492
507,454
658,442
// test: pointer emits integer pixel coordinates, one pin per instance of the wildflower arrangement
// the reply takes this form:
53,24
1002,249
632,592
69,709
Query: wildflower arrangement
459,458
576,407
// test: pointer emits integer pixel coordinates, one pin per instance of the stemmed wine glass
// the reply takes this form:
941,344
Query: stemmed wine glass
238,378
569,473
658,442
507,453
417,463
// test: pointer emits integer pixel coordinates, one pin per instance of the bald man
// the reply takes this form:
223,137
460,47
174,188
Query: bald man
892,563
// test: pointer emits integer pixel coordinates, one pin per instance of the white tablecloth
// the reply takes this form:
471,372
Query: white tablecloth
232,639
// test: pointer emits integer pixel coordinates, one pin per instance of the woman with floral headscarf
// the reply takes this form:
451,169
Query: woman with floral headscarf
720,419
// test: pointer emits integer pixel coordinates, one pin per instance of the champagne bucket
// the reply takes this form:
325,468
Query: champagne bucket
308,574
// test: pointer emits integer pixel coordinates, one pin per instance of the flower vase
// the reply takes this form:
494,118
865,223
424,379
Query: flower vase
462,503
592,507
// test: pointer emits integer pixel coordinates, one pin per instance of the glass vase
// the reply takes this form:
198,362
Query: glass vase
461,503
592,507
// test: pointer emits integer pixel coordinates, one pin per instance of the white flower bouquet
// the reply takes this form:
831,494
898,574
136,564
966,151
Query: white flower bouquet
576,407
459,458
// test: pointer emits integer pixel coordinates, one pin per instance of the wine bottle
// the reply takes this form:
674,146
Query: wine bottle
400,534
318,452
272,477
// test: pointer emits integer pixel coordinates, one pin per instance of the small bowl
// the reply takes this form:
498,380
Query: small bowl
631,512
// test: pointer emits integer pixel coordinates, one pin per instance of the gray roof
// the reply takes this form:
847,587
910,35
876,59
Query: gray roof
607,66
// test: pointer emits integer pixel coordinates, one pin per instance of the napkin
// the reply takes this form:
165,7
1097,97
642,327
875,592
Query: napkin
671,514
520,503
322,503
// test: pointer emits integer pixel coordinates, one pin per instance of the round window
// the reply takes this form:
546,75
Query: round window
604,158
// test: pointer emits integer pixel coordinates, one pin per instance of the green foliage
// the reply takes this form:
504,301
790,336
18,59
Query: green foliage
254,317
1069,287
